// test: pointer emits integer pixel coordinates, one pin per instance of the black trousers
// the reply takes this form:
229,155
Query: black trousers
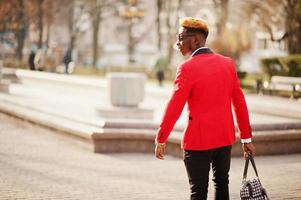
198,165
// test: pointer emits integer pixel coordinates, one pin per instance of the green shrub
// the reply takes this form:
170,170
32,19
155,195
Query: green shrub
282,66
292,64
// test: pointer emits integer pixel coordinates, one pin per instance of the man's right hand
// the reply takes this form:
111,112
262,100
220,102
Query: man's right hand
160,150
249,149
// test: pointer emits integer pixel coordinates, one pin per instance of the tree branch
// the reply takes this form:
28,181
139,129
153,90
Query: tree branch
145,33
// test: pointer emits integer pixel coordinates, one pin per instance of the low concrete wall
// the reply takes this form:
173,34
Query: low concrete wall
10,74
266,142
278,142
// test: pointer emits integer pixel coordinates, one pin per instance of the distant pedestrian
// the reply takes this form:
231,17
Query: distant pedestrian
209,84
31,60
160,76
39,60
160,67
67,59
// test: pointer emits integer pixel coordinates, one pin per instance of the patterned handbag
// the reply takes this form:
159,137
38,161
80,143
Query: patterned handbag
252,189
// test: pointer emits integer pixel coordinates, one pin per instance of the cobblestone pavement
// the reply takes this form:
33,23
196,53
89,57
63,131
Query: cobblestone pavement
37,164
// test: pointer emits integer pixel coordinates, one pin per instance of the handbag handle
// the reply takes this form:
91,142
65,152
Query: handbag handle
249,158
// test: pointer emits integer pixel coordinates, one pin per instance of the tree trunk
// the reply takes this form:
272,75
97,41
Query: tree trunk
48,34
21,35
222,15
131,44
171,30
95,41
96,21
72,36
159,9
293,24
21,31
40,22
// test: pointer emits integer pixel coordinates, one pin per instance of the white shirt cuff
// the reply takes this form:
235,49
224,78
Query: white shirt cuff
248,140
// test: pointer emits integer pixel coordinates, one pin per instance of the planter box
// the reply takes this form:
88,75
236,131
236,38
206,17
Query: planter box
126,89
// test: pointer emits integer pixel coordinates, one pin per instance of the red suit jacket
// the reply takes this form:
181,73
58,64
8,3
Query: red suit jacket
208,82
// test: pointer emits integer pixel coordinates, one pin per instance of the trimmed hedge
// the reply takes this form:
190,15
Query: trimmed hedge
282,66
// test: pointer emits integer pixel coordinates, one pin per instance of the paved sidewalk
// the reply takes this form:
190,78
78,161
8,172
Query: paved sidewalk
37,164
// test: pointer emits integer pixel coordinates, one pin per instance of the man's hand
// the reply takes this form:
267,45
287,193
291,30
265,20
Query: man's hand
249,149
160,150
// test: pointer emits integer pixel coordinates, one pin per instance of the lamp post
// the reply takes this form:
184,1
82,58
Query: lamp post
127,90
132,14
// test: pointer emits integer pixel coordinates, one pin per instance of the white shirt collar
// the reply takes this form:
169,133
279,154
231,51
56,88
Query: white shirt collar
197,50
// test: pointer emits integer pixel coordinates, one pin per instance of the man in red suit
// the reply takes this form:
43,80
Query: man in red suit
208,83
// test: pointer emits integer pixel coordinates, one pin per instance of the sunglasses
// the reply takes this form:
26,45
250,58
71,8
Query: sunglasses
182,36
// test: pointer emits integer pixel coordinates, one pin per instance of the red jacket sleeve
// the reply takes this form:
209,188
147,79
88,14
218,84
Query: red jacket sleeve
240,108
175,105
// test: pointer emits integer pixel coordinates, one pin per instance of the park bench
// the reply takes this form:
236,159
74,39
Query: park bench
284,83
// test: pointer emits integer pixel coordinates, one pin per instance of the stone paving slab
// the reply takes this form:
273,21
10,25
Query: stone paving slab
37,164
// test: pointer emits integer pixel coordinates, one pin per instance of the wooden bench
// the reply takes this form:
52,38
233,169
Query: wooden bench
284,83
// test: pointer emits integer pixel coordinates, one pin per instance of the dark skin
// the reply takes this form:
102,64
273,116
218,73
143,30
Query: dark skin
187,43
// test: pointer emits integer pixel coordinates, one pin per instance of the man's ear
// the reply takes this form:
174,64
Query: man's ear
198,39
201,40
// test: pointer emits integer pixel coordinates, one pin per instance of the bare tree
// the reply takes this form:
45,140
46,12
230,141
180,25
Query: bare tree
72,14
132,14
51,11
222,13
45,14
158,20
99,10
172,8
96,11
21,31
40,13
15,17
293,25
282,15
133,41
71,25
